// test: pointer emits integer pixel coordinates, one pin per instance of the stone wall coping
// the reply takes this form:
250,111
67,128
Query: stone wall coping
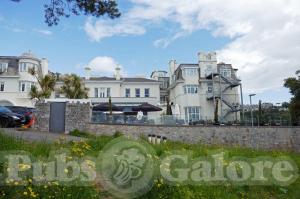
198,126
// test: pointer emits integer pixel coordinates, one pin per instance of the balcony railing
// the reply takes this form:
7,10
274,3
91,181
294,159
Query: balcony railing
100,117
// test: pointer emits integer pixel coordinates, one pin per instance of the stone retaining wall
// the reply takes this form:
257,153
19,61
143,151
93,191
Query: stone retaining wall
78,117
267,138
42,116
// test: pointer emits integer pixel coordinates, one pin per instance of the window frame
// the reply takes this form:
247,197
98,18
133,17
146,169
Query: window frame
96,92
127,95
145,93
192,113
2,86
3,67
138,94
108,92
191,89
190,72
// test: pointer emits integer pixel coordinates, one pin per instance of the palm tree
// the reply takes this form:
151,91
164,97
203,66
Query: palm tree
45,86
73,87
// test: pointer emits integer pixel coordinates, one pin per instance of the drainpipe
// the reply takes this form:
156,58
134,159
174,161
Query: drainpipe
242,103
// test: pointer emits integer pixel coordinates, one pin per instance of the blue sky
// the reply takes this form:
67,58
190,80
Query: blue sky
147,36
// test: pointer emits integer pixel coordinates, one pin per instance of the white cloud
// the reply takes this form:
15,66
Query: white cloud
102,29
104,66
265,44
43,32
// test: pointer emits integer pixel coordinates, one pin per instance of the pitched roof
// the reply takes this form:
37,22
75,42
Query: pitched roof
188,65
127,79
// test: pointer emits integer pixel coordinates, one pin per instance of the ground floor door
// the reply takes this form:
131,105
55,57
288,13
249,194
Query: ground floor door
57,117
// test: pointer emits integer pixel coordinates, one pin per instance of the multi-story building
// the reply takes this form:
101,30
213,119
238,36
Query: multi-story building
198,88
15,80
125,92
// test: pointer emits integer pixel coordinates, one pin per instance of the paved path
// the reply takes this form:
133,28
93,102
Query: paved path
30,135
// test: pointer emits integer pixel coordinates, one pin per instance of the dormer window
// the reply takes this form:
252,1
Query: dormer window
23,67
226,72
208,57
3,67
190,72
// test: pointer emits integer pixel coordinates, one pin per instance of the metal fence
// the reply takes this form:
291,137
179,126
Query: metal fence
100,117
104,118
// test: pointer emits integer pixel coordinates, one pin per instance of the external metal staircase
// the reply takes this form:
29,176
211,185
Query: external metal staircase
218,93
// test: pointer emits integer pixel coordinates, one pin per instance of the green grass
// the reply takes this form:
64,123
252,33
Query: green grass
160,190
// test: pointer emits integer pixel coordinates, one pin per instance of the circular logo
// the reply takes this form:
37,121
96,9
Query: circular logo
127,167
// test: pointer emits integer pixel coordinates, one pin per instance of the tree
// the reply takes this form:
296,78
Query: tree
73,87
293,84
169,108
285,105
46,85
56,9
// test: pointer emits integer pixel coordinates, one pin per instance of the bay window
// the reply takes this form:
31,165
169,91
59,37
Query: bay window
192,113
190,89
3,67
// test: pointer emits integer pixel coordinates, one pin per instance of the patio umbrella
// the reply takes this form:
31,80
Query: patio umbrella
145,107
106,107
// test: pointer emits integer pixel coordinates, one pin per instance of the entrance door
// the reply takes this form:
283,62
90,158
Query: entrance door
57,117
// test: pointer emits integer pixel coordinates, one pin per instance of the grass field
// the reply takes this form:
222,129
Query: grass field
93,145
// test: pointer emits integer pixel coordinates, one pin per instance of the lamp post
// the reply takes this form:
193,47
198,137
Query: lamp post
251,108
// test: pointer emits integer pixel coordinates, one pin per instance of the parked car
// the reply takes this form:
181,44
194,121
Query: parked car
26,112
10,119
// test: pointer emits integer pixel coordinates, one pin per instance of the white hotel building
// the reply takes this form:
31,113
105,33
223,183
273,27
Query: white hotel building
15,81
126,92
195,88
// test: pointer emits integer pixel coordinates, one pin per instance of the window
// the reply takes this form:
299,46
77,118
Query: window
226,72
25,86
147,92
190,89
96,92
22,86
1,86
101,92
163,99
190,71
192,113
127,92
209,87
56,94
208,57
108,92
137,92
3,67
23,67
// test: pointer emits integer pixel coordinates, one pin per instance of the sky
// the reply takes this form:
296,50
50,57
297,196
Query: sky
260,38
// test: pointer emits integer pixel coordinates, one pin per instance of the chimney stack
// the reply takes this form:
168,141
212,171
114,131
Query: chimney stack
87,73
118,73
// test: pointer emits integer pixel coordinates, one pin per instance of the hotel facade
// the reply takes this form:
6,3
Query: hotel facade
193,90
